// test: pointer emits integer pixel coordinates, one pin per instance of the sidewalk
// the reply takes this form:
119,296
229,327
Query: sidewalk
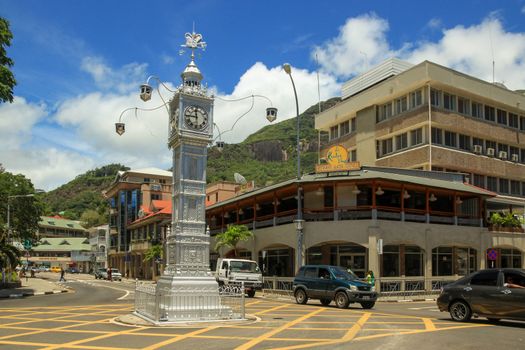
33,286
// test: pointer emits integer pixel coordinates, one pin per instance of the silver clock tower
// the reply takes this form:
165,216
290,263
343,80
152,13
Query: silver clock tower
188,288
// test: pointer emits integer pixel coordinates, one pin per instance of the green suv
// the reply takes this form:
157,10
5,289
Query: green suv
327,283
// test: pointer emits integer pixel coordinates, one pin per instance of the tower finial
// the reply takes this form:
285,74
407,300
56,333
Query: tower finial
194,41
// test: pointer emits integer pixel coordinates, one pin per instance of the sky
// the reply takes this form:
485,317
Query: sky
79,64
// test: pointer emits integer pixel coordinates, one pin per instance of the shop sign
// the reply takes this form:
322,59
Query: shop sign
337,160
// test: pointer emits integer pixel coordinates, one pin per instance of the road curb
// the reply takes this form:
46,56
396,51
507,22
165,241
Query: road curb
407,301
23,295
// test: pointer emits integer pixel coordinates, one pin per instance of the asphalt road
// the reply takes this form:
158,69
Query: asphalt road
84,319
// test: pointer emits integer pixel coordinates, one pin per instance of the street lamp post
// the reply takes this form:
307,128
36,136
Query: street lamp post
299,221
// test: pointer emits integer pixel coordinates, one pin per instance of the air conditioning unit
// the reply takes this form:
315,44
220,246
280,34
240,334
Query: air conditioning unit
490,152
502,155
515,157
478,149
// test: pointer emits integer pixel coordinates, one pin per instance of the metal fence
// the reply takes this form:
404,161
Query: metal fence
160,306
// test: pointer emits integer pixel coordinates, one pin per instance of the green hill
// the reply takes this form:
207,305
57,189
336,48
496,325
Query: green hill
82,193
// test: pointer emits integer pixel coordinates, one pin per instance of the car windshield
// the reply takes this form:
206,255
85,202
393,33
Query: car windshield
114,271
344,274
243,266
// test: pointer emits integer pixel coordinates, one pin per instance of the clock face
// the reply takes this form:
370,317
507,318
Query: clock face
196,117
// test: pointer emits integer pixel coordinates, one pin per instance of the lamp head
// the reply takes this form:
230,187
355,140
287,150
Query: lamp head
271,114
120,128
145,92
287,68
220,145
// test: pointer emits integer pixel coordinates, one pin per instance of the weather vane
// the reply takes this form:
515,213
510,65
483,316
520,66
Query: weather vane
193,41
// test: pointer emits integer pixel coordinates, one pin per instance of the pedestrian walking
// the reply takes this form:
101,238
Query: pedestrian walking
370,278
62,273
110,278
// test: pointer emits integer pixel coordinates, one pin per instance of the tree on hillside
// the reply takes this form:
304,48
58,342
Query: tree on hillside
7,79
91,218
24,211
231,237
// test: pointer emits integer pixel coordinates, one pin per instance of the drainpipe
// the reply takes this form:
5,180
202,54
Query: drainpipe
429,128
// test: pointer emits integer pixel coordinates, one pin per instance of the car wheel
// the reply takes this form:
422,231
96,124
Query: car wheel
368,304
300,296
326,302
460,311
341,300
251,293
493,320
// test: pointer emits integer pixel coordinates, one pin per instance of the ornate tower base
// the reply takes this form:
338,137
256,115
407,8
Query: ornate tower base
190,299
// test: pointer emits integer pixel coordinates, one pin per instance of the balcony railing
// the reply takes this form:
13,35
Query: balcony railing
357,213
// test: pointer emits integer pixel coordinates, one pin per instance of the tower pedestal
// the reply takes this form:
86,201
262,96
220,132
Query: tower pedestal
190,298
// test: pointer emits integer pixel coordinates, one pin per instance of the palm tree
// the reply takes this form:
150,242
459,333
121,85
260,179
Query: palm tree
232,236
9,254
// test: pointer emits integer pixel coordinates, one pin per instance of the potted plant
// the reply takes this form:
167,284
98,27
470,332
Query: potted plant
496,221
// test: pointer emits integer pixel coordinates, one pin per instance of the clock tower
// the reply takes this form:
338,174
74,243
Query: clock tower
188,287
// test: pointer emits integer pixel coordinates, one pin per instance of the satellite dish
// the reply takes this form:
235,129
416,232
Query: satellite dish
239,179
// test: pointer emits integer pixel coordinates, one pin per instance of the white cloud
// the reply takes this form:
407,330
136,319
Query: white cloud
470,49
361,43
434,23
16,121
523,9
467,49
122,80
275,84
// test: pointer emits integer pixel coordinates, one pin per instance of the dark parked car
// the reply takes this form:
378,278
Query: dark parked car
72,270
327,283
493,293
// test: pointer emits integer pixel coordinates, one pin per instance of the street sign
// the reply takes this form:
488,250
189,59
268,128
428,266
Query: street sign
492,254
27,244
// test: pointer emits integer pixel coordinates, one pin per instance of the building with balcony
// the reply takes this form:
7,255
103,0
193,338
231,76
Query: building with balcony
411,227
98,240
130,194
434,118
56,226
63,252
149,230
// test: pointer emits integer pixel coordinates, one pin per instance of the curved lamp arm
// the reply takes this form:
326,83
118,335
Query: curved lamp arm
120,127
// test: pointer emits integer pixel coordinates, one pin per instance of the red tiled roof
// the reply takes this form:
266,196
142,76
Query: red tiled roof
160,204
166,210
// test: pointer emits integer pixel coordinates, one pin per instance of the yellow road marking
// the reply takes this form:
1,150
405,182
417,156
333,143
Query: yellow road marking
270,310
429,325
178,338
267,335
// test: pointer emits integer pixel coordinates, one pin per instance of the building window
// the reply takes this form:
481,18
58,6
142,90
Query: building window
437,136
416,99
522,155
490,144
147,180
503,186
490,114
353,155
477,110
476,141
515,187
492,184
523,188
383,112
514,150
442,261
450,139
463,105
386,146
449,102
510,258
479,180
502,117
464,142
416,137
390,261
155,197
522,123
435,97
401,141
334,132
401,105
413,261
344,128
353,125
513,121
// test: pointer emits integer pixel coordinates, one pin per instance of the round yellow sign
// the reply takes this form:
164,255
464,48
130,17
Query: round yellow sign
337,155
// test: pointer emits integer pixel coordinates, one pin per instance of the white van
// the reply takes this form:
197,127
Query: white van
235,271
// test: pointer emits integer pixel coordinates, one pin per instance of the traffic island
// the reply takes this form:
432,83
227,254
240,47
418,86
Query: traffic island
135,320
